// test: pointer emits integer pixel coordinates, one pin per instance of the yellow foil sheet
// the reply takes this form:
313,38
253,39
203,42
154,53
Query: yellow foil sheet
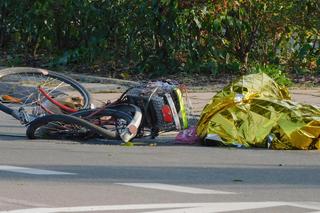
254,111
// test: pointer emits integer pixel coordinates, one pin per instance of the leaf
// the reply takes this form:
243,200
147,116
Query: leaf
304,50
125,75
198,23
127,144
217,25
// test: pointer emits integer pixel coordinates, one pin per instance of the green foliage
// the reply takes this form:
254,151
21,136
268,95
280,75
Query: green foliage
274,72
165,36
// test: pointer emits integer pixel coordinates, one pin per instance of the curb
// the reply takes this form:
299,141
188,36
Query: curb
119,85
101,80
83,78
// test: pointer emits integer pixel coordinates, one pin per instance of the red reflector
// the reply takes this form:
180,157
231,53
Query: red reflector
167,115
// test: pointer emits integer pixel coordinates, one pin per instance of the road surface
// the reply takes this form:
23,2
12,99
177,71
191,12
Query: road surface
67,176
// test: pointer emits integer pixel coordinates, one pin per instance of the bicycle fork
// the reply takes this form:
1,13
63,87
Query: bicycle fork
132,129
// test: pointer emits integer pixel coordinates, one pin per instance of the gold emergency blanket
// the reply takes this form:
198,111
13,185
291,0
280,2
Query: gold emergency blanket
255,111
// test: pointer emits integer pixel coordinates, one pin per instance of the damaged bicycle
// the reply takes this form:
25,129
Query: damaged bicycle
54,106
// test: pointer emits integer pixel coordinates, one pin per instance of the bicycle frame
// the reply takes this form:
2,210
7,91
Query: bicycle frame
57,103
20,115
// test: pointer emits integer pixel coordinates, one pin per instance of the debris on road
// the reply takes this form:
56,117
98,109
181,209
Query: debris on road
188,136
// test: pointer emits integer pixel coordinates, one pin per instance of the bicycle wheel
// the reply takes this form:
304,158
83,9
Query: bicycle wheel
112,120
28,89
125,119
62,127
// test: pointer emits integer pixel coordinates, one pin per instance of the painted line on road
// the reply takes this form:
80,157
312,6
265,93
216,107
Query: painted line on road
32,171
170,207
175,188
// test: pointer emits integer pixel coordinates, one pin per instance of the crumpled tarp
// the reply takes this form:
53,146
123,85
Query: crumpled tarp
255,111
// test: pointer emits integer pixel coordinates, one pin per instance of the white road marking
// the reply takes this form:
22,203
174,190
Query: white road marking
32,171
175,207
175,188
310,205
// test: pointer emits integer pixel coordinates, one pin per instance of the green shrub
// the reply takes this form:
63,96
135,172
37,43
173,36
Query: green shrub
274,72
165,36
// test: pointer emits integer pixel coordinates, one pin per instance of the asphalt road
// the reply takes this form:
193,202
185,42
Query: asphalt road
67,176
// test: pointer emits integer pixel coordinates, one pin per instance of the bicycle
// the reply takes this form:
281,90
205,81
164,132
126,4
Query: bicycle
24,93
144,110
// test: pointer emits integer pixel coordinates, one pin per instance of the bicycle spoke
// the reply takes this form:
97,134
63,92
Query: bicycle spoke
19,90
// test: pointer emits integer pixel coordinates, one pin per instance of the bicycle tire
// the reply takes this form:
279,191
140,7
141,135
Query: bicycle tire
63,127
99,116
23,82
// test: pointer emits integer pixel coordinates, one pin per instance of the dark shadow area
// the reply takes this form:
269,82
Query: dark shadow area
145,141
10,126
18,138
279,175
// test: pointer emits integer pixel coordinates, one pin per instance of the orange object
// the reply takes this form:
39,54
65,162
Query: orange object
11,99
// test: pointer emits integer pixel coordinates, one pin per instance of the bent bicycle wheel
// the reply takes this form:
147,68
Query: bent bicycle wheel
112,120
32,91
63,127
